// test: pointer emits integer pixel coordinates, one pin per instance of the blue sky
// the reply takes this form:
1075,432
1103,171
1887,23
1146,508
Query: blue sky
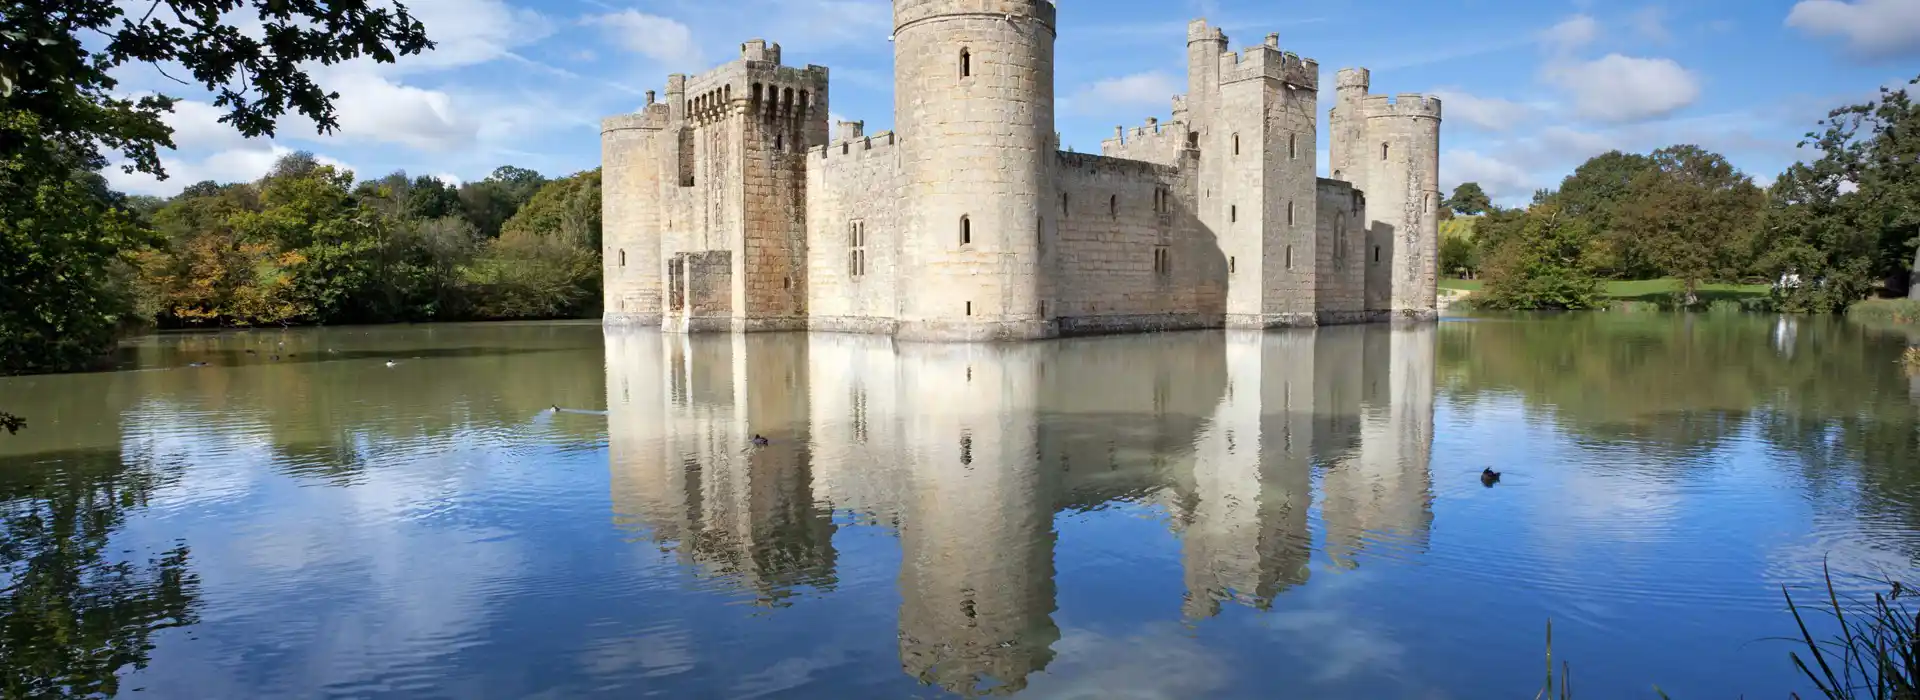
1531,88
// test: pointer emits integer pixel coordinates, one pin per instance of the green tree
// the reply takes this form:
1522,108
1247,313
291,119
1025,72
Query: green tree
1541,262
1595,192
490,202
1694,216
546,262
60,107
1469,199
1459,256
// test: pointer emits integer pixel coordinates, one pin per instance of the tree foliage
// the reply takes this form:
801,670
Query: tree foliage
1539,261
1469,199
307,245
64,276
1849,220
1691,216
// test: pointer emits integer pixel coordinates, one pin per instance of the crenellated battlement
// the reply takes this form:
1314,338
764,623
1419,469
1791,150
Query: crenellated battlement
1406,104
910,12
1269,62
653,117
1199,31
857,145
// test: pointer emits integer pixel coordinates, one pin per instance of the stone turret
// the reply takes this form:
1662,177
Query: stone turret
1389,147
973,95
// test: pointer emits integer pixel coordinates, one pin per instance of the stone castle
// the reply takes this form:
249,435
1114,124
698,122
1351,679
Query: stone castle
732,206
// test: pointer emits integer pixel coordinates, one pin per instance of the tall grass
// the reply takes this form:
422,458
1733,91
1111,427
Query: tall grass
1905,311
1874,656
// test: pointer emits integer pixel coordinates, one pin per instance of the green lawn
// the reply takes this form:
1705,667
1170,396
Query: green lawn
1646,290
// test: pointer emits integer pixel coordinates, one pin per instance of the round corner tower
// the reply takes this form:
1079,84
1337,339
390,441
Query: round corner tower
630,186
973,102
1403,190
1347,125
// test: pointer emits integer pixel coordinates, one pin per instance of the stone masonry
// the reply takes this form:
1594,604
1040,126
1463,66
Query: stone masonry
732,206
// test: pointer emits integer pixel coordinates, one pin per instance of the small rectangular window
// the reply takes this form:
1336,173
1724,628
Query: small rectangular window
1289,213
1233,213
1231,268
1293,146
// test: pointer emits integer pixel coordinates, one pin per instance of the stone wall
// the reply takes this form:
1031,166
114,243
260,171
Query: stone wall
1157,142
853,195
1340,282
1129,255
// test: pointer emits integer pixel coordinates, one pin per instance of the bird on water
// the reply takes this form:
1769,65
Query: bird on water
759,440
391,363
1489,477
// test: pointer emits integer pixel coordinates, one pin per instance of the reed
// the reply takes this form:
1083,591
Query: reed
1875,655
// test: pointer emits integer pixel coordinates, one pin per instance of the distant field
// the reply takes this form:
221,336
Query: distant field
1646,290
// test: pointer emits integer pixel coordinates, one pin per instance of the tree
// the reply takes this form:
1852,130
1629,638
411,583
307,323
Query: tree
59,108
1459,256
1694,215
1849,219
1811,237
1595,192
1469,199
1540,262
490,202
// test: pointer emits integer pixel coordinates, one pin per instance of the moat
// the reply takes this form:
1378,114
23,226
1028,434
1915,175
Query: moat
1198,514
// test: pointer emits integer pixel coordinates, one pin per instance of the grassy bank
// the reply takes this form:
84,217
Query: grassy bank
1648,291
1905,312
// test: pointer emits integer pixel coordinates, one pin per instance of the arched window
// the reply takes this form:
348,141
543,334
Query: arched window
1193,139
966,230
623,257
1063,205
966,63
1289,257
1293,146
1236,144
1233,213
1289,212
1383,151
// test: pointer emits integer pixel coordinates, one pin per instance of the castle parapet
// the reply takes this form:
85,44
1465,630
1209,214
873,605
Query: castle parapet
856,145
1406,104
758,50
906,12
653,117
1268,61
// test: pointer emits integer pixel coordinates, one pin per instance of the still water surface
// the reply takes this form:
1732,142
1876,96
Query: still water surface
1290,514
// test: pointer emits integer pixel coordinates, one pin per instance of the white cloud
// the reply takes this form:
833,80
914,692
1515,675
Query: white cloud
659,38
1616,88
1650,23
1502,180
1572,33
470,32
244,164
1871,28
1140,90
1489,113
374,109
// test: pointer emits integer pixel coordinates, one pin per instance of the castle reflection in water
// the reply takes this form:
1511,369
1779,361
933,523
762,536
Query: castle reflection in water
968,452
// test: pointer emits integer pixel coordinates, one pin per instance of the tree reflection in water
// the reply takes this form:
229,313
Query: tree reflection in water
75,613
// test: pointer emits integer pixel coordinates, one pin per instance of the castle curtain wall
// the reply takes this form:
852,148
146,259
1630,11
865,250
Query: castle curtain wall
854,194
